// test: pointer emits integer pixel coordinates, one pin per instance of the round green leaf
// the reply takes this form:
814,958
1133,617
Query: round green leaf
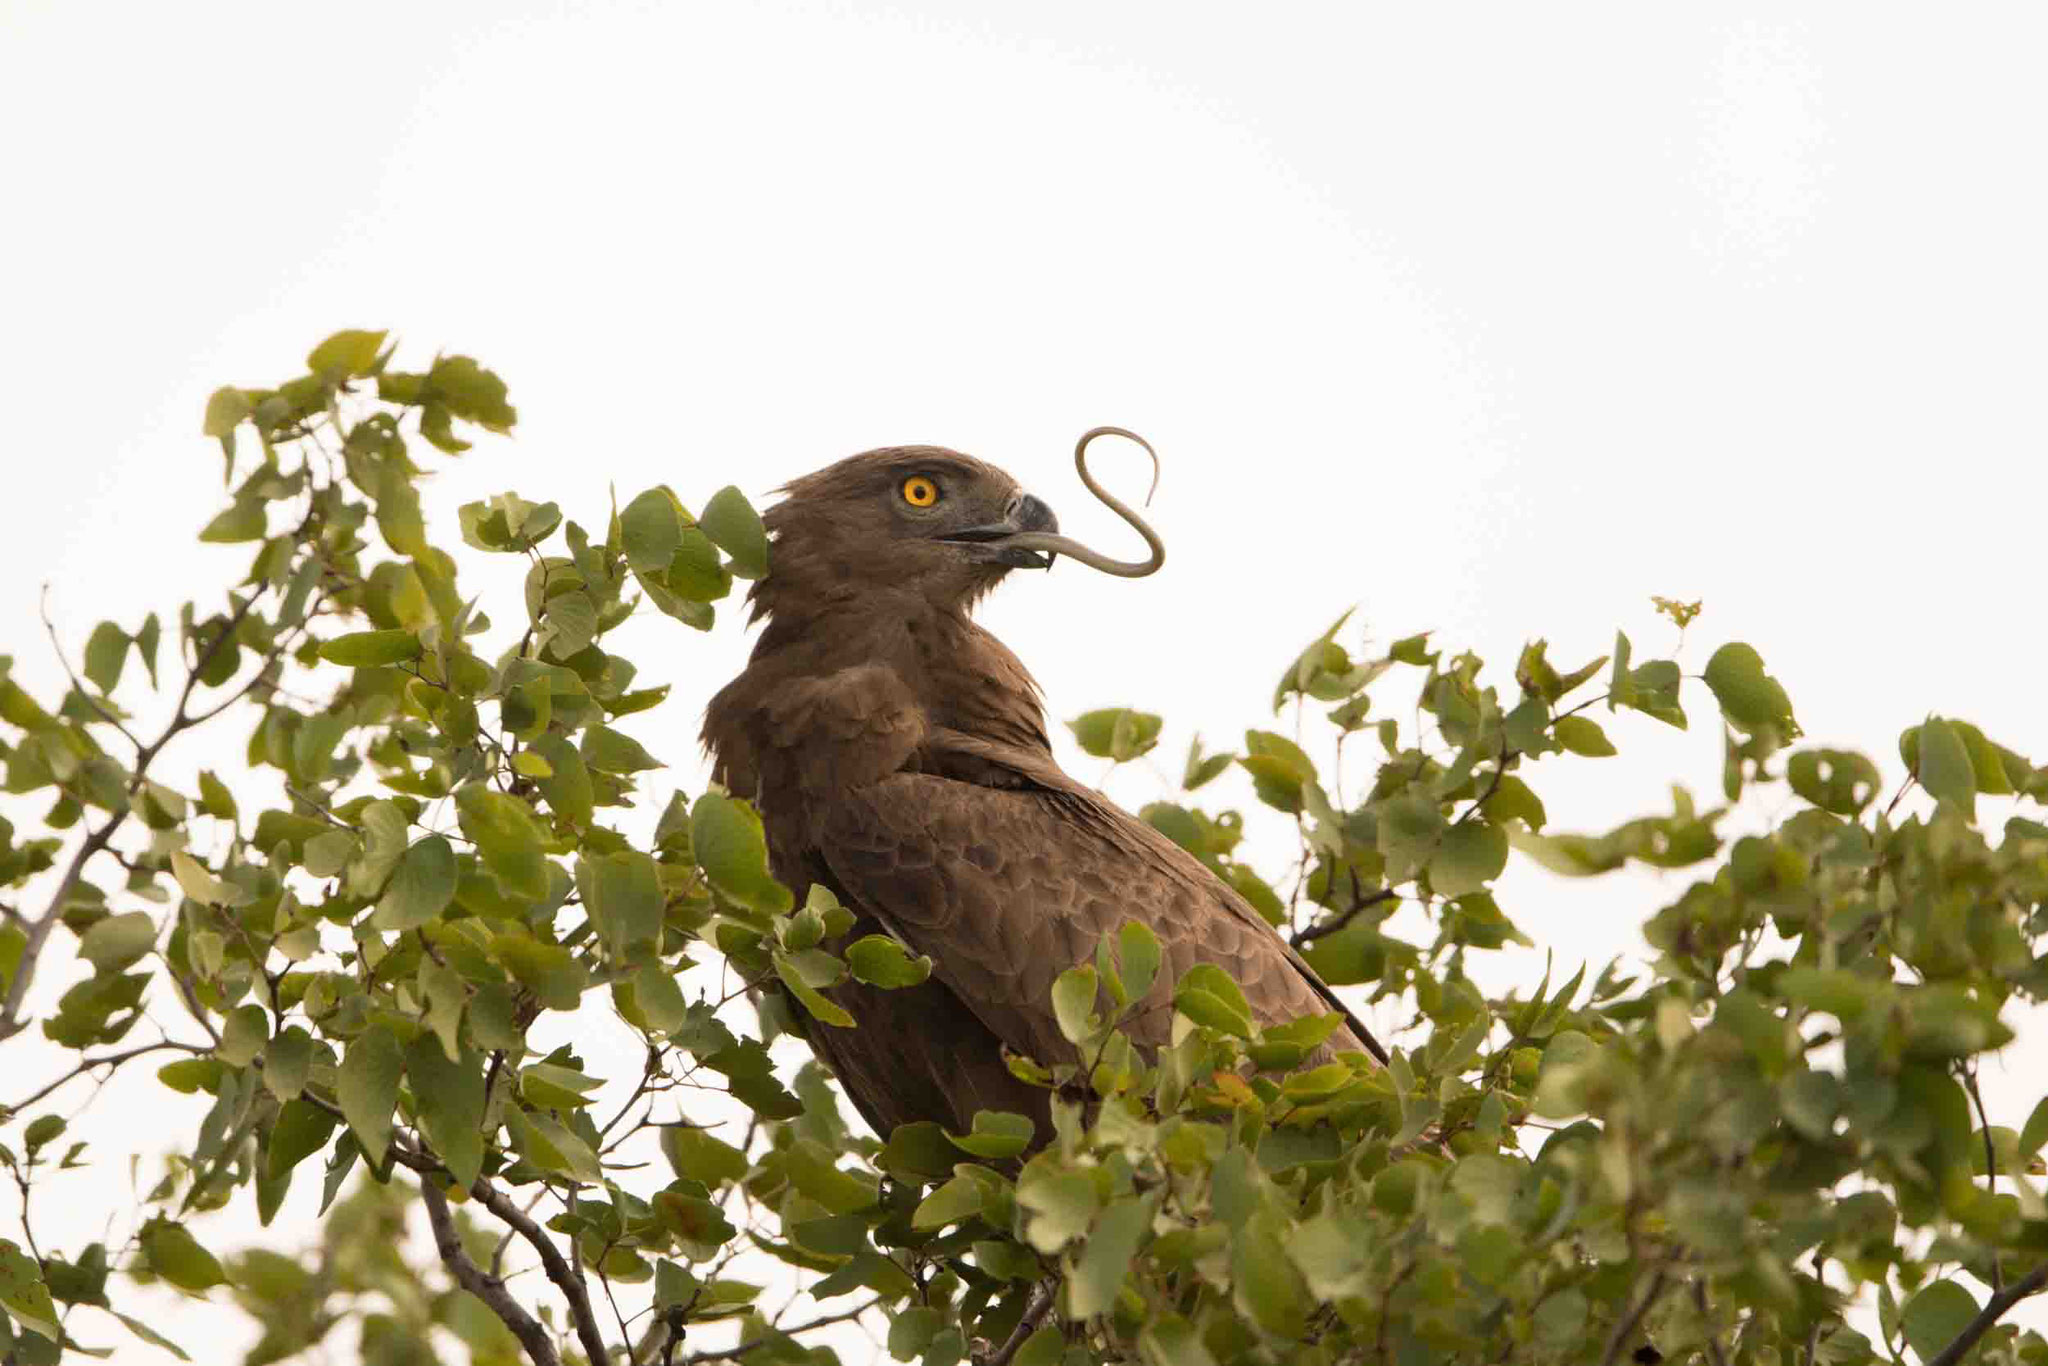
421,887
175,1255
880,961
367,649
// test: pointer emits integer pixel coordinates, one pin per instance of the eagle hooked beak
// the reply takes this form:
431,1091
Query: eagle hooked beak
1026,515
1031,527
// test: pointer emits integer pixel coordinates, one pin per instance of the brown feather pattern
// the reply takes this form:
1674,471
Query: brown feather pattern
897,753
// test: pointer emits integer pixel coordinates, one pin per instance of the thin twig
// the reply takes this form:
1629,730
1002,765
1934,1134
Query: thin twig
106,714
104,1060
1990,1165
742,1348
1338,922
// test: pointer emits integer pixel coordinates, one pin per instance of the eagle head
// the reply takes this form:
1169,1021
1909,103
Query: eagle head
920,519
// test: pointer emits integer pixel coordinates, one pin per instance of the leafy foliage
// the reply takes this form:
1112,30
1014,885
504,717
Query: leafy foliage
1707,1159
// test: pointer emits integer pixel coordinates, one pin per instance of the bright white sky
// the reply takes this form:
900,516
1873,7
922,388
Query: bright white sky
1495,321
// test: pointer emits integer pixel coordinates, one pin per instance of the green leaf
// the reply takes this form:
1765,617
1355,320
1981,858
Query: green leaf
367,1088
174,1254
960,1198
242,1035
202,886
659,998
214,798
1470,855
244,521
449,1102
1267,1287
567,786
1834,780
447,997
608,751
105,652
572,619
2035,1132
1111,1250
553,1146
1117,733
880,961
352,352
119,940
733,525
1168,1340
996,1135
27,1297
42,1131
146,642
507,836
369,649
551,1086
550,971
302,1129
623,895
1936,1316
1750,698
693,1153
912,1331
1582,735
1945,769
650,530
1138,955
1073,1002
325,855
1062,1204
150,1335
732,850
226,409
471,392
1200,768
819,1008
420,888
287,1062
1207,995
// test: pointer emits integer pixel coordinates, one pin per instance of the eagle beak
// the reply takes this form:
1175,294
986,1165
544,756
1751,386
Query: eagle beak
1027,514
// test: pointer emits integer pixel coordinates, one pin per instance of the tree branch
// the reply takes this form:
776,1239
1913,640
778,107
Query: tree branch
1699,1299
551,1259
1627,1327
1034,1313
1993,1310
1338,922
1990,1164
104,1060
538,1342
39,929
740,1349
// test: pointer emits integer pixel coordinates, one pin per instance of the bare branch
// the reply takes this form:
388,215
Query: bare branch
539,1344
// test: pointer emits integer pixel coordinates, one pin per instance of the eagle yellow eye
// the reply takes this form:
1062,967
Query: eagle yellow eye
919,491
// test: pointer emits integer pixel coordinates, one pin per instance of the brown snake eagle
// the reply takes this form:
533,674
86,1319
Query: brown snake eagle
897,754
